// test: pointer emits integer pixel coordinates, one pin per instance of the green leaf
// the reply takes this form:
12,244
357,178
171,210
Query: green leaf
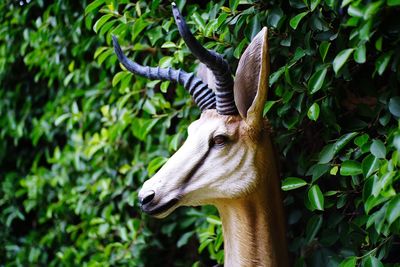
334,170
382,62
101,21
103,56
329,151
372,202
164,86
313,112
233,4
92,6
120,76
274,17
141,127
166,62
356,11
345,3
99,51
276,75
378,44
184,239
316,197
369,165
255,26
393,210
139,25
323,49
344,140
294,22
313,226
168,44
364,32
212,219
61,118
378,149
155,164
341,59
361,140
394,106
317,170
199,21
393,2
268,105
372,9
291,183
326,154
317,80
239,48
149,107
349,262
314,4
350,167
371,261
360,54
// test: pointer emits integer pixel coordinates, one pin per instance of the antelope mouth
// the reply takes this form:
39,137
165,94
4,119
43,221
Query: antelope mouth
162,210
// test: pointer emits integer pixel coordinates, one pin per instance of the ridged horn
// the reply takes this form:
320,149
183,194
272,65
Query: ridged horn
215,62
202,95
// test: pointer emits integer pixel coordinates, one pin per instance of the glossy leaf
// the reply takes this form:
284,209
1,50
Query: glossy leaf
317,80
382,62
341,59
349,262
350,167
101,22
316,197
393,210
369,165
378,149
360,54
313,112
372,261
323,49
294,22
291,183
394,106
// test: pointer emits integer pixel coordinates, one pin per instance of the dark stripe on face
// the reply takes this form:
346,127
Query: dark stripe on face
196,167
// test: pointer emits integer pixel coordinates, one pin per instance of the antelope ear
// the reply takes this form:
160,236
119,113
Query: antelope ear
251,81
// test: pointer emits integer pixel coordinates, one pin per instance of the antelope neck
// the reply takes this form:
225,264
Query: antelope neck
254,227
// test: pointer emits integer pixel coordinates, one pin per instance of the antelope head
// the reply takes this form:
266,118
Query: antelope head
221,157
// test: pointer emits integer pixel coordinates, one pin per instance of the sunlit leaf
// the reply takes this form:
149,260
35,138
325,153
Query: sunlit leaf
349,262
313,112
317,80
294,22
378,149
291,183
350,167
341,59
316,197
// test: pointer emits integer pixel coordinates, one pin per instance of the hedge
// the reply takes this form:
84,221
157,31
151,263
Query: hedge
79,134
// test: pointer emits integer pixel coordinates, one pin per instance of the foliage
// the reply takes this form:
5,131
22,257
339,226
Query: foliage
79,135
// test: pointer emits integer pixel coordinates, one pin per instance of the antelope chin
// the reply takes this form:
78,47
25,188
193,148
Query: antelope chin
161,211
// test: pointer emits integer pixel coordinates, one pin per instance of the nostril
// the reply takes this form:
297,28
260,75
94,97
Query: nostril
148,198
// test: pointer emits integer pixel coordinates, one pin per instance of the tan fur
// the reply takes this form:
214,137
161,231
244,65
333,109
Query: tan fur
253,224
240,177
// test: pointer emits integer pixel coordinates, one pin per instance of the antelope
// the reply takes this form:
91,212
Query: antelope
228,158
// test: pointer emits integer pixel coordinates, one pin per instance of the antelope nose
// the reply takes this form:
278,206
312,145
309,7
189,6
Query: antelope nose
147,198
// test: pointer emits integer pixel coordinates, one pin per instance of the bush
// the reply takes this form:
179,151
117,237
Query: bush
80,135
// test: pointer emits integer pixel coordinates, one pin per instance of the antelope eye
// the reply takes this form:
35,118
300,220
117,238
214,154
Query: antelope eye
220,140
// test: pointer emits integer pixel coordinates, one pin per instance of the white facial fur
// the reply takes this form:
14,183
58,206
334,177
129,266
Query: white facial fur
200,172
